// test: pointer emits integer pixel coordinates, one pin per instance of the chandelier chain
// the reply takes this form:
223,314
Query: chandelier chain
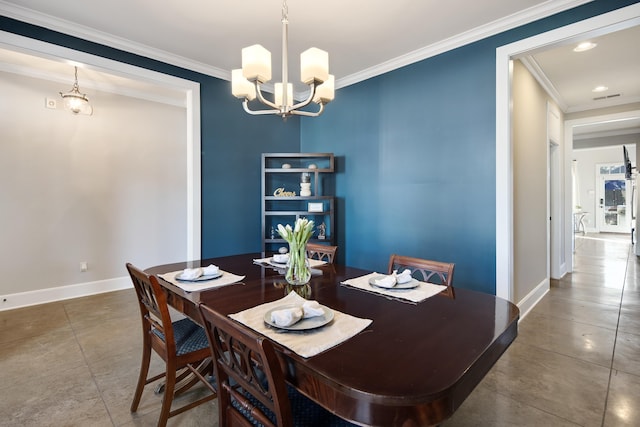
75,84
285,11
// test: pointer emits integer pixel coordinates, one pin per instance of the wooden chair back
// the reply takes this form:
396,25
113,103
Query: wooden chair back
321,252
440,273
248,374
154,311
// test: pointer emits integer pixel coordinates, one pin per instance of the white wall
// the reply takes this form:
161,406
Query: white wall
530,160
105,189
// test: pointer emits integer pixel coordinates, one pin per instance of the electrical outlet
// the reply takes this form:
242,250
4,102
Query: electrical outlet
84,266
50,103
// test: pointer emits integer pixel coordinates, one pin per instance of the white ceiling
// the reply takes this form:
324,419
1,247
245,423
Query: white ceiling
614,63
364,38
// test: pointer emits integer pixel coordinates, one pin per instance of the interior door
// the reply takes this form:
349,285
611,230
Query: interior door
614,212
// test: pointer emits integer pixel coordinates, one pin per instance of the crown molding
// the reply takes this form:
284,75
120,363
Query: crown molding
47,21
534,68
526,16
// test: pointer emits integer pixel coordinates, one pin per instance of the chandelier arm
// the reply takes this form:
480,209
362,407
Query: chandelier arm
245,104
262,99
306,101
308,113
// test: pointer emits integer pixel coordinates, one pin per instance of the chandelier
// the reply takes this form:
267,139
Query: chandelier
256,70
75,101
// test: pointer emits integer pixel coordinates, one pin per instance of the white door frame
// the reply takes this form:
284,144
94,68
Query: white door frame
606,23
555,253
568,138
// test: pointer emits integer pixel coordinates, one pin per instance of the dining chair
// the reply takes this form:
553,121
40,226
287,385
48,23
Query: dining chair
250,381
440,273
182,344
321,252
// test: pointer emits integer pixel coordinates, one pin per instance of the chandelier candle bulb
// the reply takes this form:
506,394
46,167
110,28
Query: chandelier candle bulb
279,94
326,91
314,65
241,87
256,63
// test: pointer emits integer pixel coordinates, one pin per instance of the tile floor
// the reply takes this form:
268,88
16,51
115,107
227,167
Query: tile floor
576,361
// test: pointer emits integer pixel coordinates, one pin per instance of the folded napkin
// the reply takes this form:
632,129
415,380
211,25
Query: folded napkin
312,309
386,281
191,273
286,316
194,273
281,258
342,327
289,316
403,277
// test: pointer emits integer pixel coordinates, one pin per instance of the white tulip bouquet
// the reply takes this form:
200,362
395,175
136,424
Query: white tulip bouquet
298,272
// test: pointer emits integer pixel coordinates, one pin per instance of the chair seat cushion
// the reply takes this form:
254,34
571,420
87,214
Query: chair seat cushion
189,336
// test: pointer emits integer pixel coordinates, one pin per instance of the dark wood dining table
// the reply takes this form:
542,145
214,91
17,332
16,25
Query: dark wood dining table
413,365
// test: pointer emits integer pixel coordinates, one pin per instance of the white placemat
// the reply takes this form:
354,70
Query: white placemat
269,261
422,292
224,280
307,343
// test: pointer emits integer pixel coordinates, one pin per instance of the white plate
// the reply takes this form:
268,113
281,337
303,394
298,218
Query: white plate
412,284
273,261
302,324
199,279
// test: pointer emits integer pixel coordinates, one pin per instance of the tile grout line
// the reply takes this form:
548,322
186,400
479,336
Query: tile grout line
615,338
86,362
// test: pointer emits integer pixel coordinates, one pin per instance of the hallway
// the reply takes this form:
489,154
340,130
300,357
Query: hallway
576,360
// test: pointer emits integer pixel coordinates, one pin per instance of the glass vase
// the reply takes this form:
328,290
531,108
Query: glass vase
298,271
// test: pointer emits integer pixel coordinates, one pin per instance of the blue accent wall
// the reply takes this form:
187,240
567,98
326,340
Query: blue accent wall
416,154
232,142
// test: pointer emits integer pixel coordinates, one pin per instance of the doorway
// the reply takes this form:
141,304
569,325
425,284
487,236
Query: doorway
613,214
149,78
626,17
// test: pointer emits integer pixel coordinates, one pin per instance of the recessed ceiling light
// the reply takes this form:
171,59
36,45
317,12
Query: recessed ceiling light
584,46
599,89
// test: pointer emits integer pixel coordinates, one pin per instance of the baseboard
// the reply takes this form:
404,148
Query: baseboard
527,303
42,296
